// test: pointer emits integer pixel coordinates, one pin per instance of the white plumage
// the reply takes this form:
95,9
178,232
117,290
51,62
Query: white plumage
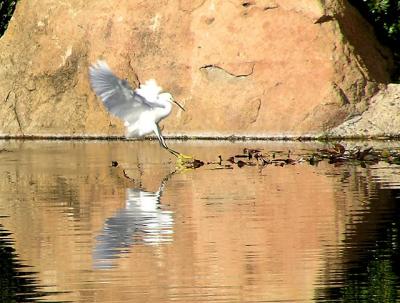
140,109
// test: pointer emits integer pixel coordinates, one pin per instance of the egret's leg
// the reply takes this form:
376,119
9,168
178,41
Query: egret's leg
162,141
175,153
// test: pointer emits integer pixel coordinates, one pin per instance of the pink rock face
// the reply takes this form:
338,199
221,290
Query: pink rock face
239,67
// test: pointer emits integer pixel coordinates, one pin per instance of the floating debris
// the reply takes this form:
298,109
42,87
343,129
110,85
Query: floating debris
231,159
251,151
219,162
340,155
336,155
120,171
241,163
194,164
188,163
222,167
243,156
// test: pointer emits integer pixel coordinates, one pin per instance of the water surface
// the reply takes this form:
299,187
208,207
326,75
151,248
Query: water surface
72,228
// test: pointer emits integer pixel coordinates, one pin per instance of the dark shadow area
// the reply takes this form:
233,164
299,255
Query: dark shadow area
383,15
7,8
369,267
17,284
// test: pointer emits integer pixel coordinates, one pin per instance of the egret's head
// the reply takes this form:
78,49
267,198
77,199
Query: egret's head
168,97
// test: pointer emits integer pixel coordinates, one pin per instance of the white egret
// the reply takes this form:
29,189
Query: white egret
143,220
141,109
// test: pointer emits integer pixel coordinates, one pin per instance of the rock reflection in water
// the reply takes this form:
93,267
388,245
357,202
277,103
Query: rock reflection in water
297,233
142,221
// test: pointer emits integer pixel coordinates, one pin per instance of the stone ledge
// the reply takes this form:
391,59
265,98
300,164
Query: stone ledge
380,120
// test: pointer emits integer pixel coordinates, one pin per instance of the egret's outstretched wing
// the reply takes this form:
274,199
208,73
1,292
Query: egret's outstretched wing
117,95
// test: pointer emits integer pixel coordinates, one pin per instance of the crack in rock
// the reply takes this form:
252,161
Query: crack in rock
11,97
268,7
265,7
323,19
257,106
190,6
108,30
342,95
8,96
210,68
17,118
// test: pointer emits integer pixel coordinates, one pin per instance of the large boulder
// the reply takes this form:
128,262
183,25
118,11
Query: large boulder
251,67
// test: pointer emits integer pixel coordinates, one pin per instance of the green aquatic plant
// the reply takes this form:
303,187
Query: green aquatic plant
7,8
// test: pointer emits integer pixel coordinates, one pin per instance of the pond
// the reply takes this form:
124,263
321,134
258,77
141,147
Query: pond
75,229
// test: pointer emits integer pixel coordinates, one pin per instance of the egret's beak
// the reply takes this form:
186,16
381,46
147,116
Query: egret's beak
181,107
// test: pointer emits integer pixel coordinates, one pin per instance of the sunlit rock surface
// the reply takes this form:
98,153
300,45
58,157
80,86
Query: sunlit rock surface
382,119
239,67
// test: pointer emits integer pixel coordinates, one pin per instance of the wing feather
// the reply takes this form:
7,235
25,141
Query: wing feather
117,95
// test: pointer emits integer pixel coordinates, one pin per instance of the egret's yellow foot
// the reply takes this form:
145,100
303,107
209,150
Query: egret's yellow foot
183,157
186,162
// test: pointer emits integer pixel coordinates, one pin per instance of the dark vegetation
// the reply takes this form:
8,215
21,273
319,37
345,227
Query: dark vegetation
7,8
17,284
384,15
371,268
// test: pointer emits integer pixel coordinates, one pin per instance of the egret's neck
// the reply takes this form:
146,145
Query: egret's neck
168,106
164,111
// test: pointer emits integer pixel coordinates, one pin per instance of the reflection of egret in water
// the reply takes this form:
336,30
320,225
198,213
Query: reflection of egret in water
141,221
